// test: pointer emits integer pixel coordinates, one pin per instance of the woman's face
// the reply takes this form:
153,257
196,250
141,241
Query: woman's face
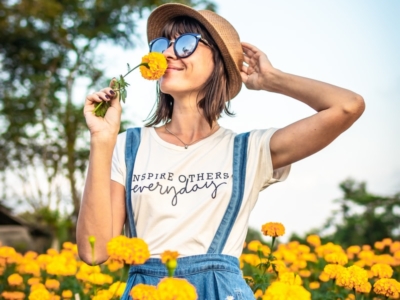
186,76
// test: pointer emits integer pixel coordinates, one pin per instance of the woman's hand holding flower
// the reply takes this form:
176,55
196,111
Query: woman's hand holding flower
110,123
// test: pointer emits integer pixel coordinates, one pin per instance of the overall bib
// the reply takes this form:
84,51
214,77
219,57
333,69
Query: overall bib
216,276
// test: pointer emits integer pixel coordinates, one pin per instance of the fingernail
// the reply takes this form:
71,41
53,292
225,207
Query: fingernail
112,92
108,97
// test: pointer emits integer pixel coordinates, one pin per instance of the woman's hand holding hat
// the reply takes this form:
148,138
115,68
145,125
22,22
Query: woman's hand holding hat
257,69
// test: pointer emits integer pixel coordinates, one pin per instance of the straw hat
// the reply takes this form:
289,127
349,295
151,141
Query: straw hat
223,33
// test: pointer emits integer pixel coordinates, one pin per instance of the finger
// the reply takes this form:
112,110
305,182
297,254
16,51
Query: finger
103,96
244,69
114,86
249,47
96,98
244,76
108,92
247,59
113,82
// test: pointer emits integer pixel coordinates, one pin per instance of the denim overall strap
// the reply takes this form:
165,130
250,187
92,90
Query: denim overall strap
239,176
131,147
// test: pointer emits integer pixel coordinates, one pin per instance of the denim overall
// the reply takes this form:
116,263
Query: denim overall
216,276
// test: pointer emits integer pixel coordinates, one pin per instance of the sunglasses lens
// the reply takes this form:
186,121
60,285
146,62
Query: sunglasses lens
159,45
185,45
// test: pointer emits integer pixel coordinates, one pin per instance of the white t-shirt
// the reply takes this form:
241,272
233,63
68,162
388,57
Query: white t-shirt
180,195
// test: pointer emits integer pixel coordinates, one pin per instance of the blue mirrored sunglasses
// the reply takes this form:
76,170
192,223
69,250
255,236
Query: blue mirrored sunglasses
184,45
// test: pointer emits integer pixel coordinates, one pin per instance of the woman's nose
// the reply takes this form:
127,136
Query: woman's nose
169,52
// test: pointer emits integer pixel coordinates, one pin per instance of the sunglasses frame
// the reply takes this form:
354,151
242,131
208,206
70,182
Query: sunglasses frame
196,35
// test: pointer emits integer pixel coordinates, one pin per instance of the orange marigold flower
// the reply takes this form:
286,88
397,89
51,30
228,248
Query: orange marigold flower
114,265
305,273
102,295
343,278
379,246
299,264
304,249
38,286
34,280
353,249
280,266
258,294
30,255
99,278
324,277
52,284
39,294
290,278
144,292
382,270
130,250
314,240
359,279
395,247
273,229
332,270
336,258
13,295
251,259
66,294
254,245
365,287
314,285
117,288
52,252
366,247
7,252
176,289
282,291
169,255
68,245
387,241
153,66
30,267
15,279
353,277
388,287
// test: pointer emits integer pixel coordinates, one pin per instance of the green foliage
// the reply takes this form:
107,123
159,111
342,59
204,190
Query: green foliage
46,49
379,217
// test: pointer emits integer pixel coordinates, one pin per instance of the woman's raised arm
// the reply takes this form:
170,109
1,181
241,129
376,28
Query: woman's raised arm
102,212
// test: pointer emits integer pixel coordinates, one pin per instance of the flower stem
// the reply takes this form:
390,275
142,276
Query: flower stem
120,281
98,106
273,242
142,64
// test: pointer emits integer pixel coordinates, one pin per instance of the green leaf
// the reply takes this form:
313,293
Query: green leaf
124,95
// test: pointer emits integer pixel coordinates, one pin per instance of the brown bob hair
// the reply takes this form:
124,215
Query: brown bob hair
215,89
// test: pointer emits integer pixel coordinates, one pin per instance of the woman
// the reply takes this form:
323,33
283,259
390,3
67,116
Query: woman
192,184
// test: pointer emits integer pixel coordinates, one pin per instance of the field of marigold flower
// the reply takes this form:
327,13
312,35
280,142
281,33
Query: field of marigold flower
290,271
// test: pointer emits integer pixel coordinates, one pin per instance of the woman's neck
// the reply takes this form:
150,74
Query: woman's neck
187,126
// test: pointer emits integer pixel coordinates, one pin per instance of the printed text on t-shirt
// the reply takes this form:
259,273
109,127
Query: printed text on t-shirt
191,183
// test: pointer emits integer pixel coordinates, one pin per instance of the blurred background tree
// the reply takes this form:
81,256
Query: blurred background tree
363,218
47,50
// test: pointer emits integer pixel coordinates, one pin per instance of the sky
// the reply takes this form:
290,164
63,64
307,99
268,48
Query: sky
352,44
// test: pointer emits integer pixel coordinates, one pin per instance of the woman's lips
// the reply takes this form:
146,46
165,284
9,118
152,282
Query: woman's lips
172,68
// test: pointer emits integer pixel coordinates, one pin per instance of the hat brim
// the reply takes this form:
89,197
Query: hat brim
211,21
